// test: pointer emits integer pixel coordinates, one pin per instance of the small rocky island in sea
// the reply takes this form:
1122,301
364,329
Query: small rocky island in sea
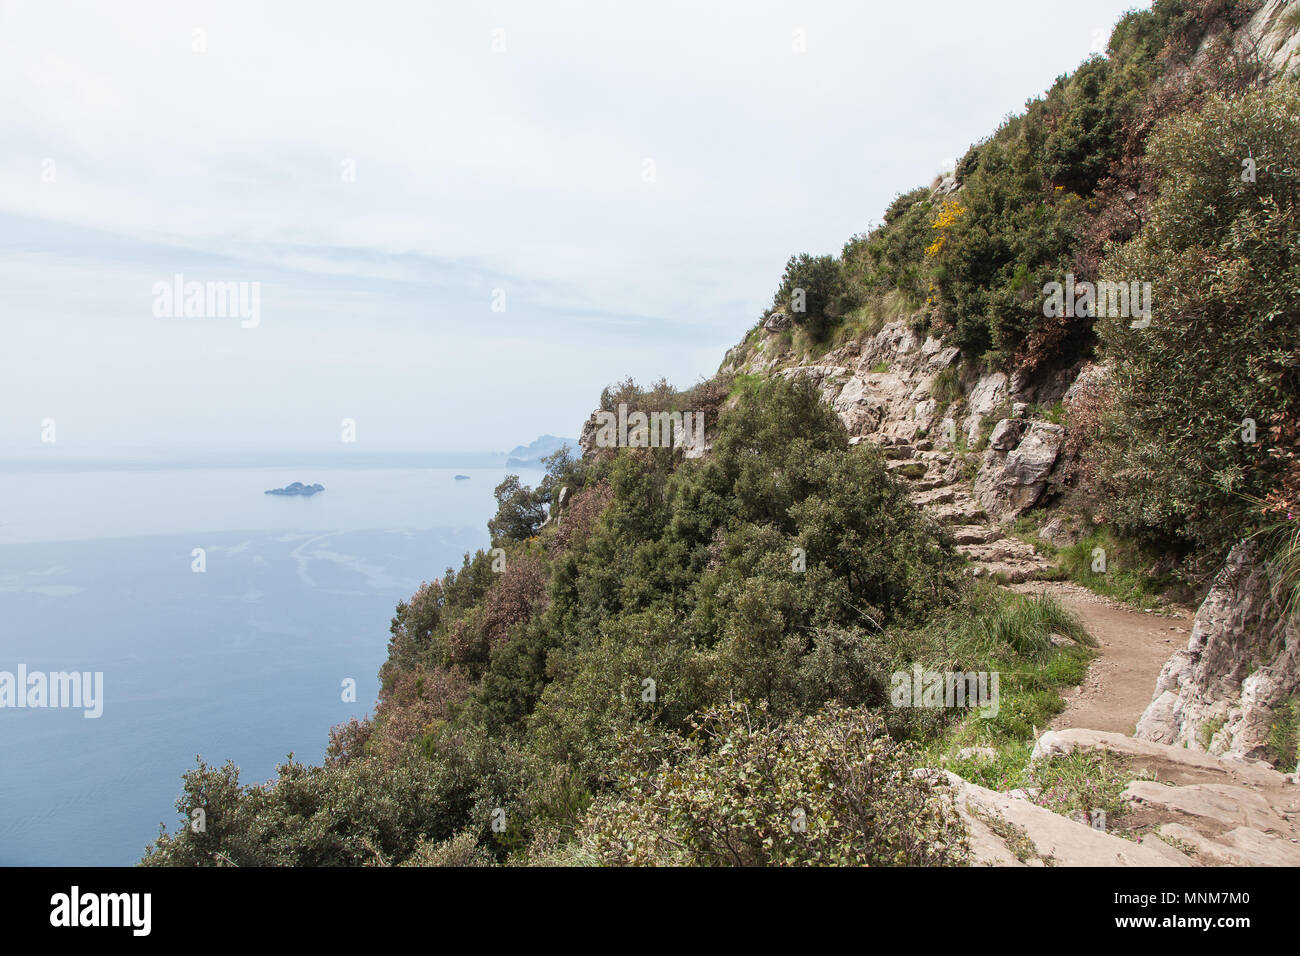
297,488
462,477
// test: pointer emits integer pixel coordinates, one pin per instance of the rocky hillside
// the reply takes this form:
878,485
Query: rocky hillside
884,390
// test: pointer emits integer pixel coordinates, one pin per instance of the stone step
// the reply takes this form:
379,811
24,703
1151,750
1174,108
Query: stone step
1011,572
1002,550
975,533
937,496
960,512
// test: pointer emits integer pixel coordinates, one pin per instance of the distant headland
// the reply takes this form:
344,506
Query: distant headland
531,455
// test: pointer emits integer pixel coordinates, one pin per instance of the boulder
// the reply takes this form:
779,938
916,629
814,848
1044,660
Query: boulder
1009,483
1059,533
1006,434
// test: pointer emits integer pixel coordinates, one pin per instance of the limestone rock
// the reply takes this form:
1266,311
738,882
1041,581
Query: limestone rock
1059,533
1008,830
989,392
1167,762
1011,482
1241,661
1006,434
778,322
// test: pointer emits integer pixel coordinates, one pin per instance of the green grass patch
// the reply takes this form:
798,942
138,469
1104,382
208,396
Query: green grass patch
1081,782
1284,735
1205,733
1112,567
945,388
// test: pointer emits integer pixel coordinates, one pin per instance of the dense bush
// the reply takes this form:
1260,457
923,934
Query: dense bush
1172,454
740,790
813,293
771,571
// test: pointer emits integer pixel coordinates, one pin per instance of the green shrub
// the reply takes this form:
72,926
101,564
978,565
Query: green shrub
1220,253
740,790
814,293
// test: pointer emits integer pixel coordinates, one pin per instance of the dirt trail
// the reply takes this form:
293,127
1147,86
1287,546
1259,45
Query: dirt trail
1200,810
1134,646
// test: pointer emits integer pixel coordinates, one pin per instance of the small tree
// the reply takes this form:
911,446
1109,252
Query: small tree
813,291
520,511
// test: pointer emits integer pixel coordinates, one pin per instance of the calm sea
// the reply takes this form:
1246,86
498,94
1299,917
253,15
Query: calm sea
244,661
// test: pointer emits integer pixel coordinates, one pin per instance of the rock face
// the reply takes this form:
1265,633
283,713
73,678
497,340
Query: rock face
1059,533
884,389
1279,43
887,390
1016,469
989,393
881,387
778,322
1242,661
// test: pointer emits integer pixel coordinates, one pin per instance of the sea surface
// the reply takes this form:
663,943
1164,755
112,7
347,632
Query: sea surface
244,660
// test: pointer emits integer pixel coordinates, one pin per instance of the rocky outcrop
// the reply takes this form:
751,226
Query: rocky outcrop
1277,41
777,322
1182,808
887,390
1005,829
881,387
1020,461
988,394
1242,660
1060,532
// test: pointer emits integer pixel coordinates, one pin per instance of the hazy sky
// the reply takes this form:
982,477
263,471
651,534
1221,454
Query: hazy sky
625,179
